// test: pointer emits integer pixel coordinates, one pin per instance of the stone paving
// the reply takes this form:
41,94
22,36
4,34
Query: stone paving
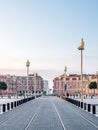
48,113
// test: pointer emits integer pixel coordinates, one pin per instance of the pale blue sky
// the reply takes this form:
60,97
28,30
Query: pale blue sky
48,32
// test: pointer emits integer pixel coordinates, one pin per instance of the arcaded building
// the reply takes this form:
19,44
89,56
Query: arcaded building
20,85
71,84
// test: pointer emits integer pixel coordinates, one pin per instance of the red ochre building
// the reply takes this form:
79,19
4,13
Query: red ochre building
71,84
17,85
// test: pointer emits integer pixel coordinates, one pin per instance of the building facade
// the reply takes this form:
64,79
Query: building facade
17,85
46,85
71,84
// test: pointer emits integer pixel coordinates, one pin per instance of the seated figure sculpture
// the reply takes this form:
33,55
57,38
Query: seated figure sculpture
81,47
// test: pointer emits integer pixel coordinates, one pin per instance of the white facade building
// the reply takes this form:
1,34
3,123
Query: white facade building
45,85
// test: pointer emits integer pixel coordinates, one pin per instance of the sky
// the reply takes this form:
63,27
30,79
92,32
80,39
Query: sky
48,32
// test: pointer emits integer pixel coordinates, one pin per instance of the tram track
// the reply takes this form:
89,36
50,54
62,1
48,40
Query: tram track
32,118
83,116
86,119
11,116
14,114
47,114
61,121
38,112
59,116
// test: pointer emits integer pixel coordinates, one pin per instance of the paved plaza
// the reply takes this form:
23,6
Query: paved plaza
48,113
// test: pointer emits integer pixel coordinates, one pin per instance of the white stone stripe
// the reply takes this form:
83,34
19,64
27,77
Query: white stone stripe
89,121
60,118
32,118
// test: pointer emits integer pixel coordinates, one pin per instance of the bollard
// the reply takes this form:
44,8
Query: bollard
24,100
73,101
81,104
19,102
28,99
93,109
4,108
89,107
76,102
15,104
84,106
11,105
8,106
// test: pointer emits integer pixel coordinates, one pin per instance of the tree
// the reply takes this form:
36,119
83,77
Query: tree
3,86
93,85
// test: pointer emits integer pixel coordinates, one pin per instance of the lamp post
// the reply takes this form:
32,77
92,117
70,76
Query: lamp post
59,93
88,83
97,82
14,78
81,48
35,74
27,65
65,70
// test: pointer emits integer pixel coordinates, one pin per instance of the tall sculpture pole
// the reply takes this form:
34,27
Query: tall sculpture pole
81,48
35,84
27,65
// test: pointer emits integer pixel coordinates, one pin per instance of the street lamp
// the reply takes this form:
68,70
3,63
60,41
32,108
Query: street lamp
59,85
35,74
65,70
81,48
14,78
97,82
88,83
27,65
